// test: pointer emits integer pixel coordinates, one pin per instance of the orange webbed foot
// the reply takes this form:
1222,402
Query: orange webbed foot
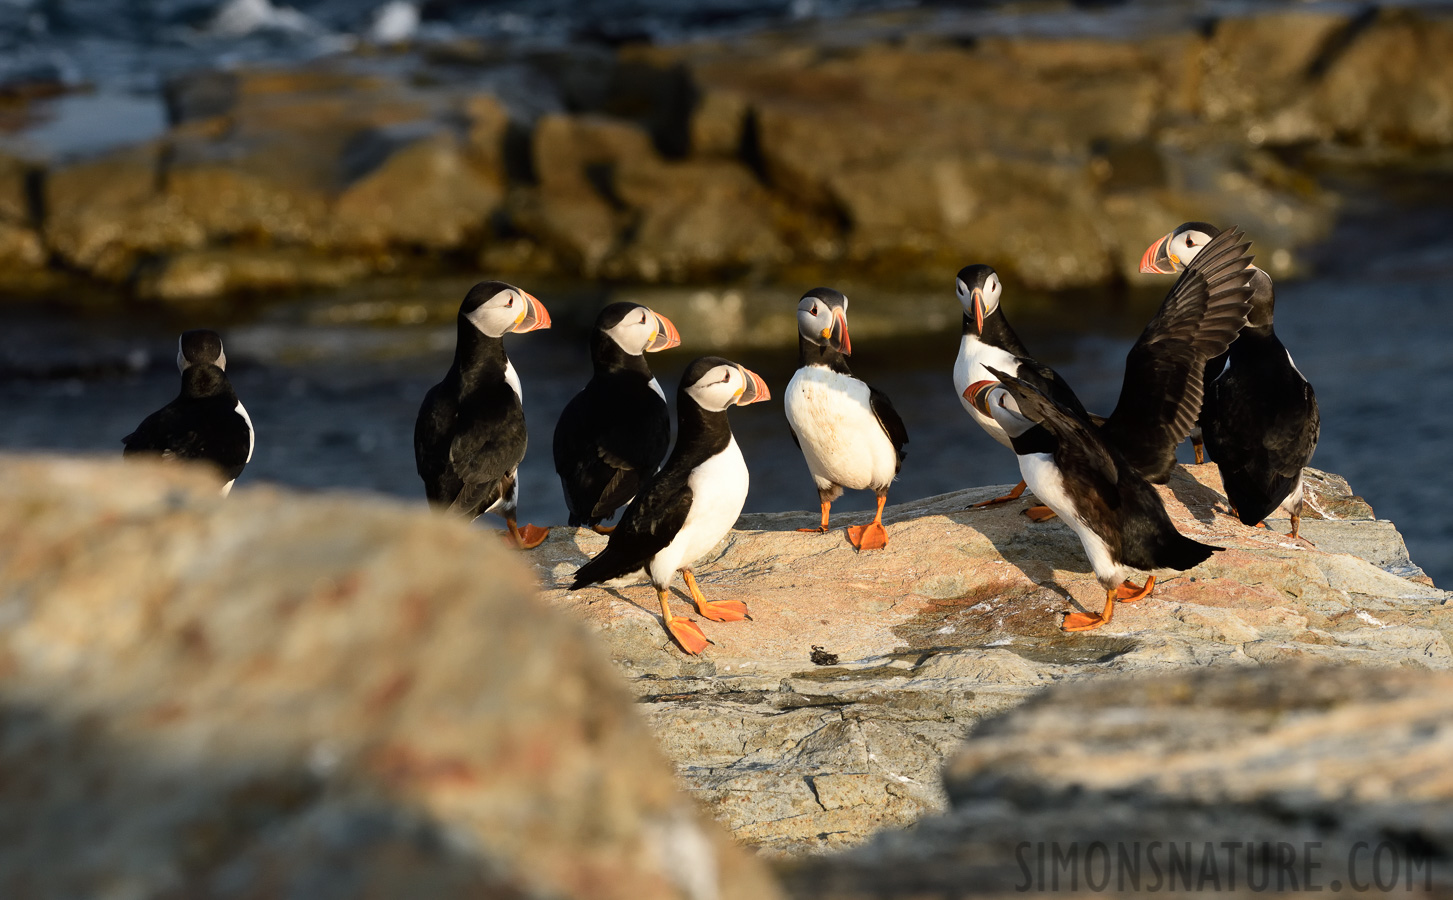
1040,513
602,529
528,537
821,529
872,536
1082,622
723,610
687,634
1129,592
1012,495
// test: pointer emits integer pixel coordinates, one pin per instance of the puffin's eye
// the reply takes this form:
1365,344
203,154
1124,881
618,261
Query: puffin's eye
1190,242
814,310
510,302
643,317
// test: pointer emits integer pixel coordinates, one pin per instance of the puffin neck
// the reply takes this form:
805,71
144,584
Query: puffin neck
478,358
810,354
997,333
607,357
700,433
1263,302
202,381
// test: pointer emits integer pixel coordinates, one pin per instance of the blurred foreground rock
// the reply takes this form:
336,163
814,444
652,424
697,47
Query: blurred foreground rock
957,621
318,697
895,147
1234,781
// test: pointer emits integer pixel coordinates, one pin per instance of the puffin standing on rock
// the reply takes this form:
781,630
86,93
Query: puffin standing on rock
469,438
988,340
1098,475
206,421
1260,417
689,506
1117,515
849,432
615,432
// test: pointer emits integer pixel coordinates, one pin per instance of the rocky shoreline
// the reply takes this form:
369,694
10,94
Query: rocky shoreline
882,147
240,698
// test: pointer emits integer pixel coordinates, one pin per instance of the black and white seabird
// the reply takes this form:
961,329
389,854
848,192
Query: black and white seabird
615,432
682,512
1117,515
849,432
206,421
988,340
1260,418
469,438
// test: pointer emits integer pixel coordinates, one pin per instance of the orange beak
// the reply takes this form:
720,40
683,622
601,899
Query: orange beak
978,395
979,310
536,316
666,335
845,344
1156,260
756,389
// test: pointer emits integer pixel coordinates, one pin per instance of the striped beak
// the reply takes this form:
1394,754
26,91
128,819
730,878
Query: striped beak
979,309
978,395
755,390
1158,260
666,335
533,317
837,336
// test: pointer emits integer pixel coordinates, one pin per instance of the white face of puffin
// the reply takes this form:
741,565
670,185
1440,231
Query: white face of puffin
823,324
728,385
1175,251
644,331
979,300
511,309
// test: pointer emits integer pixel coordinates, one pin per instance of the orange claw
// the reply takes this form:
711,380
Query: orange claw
1130,592
718,610
528,537
1040,513
1012,495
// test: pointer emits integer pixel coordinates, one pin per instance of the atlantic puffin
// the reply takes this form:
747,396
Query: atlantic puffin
682,512
1118,517
1260,418
469,437
615,432
848,431
988,340
206,421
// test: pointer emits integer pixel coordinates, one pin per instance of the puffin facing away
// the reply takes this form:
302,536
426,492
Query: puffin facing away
614,433
849,432
469,438
206,421
988,340
1260,418
1117,515
689,506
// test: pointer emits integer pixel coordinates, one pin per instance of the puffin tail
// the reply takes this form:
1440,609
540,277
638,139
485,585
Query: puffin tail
604,566
1180,552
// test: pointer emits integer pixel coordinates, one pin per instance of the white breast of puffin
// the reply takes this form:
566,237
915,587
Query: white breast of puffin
970,367
842,440
1047,483
718,492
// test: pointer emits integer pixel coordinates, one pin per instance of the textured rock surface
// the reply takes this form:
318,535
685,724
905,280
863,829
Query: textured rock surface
1349,770
875,147
321,697
959,620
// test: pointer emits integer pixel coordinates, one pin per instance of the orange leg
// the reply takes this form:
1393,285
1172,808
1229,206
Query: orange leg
718,611
1040,513
527,538
1082,622
1297,527
1200,449
684,631
821,529
602,529
870,536
1130,592
1012,495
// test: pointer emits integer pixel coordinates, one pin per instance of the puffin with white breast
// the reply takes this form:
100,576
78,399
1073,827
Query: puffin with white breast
1117,515
1260,418
469,438
206,421
988,340
848,431
615,432
682,512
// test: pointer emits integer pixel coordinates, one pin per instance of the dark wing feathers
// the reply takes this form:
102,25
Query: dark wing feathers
1072,431
890,420
1160,398
646,527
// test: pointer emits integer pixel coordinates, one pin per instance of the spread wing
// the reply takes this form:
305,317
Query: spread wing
890,420
1160,397
646,527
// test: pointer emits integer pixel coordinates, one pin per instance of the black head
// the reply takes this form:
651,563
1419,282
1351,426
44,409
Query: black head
714,384
1175,251
200,345
822,320
978,289
495,309
636,329
204,380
